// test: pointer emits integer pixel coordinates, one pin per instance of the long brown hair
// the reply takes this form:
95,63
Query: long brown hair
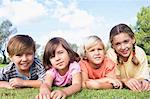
50,48
123,28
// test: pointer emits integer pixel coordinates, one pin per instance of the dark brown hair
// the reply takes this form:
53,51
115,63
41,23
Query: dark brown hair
20,44
123,28
50,51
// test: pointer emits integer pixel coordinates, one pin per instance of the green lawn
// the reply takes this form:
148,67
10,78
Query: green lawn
30,93
1,65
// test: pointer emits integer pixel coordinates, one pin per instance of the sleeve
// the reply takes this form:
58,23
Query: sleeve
112,55
75,68
40,70
51,72
83,67
4,74
143,70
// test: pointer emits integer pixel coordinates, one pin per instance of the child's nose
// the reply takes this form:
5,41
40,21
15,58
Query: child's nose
96,52
24,57
123,46
57,57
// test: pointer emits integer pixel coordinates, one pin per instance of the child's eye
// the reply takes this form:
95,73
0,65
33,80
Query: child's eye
100,49
51,57
126,41
18,55
60,52
91,50
117,44
29,53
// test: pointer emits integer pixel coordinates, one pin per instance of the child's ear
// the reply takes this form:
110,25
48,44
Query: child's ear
10,57
85,57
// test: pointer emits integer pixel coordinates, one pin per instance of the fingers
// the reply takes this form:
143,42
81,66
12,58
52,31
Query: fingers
134,85
43,96
145,85
58,95
117,84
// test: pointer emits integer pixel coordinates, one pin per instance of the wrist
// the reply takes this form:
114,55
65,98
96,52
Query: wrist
63,92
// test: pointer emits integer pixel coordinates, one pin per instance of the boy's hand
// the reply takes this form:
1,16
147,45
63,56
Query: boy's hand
16,82
58,94
8,86
115,82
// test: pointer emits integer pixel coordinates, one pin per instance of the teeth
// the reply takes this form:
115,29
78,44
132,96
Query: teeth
24,64
126,49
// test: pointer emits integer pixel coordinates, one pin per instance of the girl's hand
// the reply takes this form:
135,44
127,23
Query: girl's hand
145,85
133,84
16,82
58,94
115,82
45,93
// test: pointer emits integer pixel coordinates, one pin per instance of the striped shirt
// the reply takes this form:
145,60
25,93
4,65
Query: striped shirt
37,72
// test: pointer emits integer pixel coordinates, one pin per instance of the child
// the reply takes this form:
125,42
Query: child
132,66
64,70
97,70
24,70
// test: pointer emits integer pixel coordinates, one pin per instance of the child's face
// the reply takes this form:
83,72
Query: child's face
61,59
95,54
23,61
123,44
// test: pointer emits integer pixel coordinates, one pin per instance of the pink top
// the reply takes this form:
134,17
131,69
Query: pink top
67,78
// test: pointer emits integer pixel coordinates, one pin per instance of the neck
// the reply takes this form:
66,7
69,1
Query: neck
95,66
62,72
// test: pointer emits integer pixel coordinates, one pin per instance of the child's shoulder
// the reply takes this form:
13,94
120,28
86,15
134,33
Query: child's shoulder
139,50
140,53
74,63
8,67
37,62
109,62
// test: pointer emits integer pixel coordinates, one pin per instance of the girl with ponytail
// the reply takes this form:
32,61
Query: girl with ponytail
131,61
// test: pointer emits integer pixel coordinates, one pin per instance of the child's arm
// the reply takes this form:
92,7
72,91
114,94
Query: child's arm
18,82
93,84
45,88
103,83
75,87
76,84
5,84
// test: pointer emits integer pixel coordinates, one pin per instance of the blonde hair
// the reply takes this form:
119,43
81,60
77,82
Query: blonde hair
88,43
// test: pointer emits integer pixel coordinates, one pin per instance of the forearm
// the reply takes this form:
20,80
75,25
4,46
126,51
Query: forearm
4,84
97,85
72,89
32,83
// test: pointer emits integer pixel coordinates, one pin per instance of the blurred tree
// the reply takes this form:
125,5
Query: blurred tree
142,29
5,31
74,47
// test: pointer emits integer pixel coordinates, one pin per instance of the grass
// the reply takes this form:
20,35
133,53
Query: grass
30,93
2,65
